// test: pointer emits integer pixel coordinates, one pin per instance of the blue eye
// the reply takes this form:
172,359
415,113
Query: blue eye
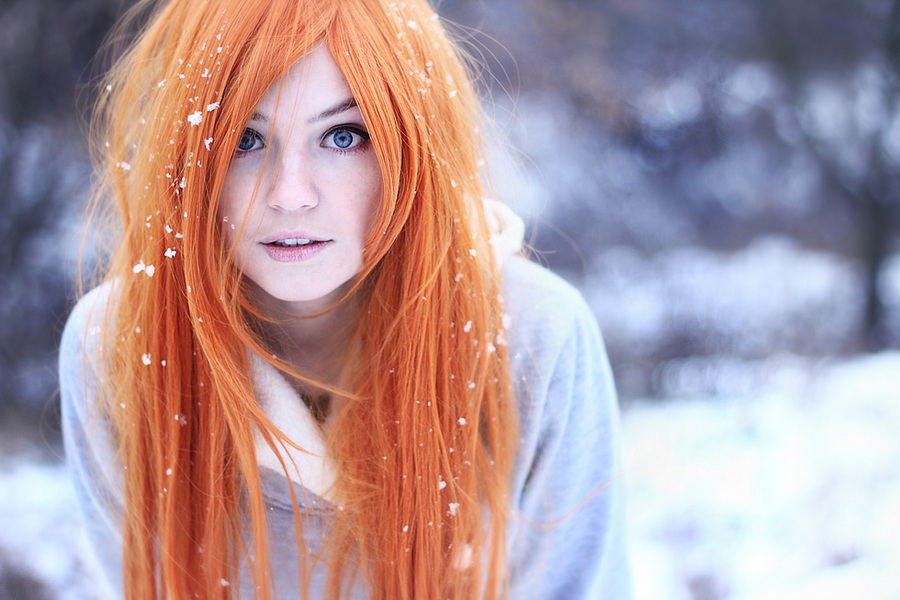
342,139
345,138
248,141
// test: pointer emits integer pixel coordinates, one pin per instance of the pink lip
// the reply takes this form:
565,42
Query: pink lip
288,254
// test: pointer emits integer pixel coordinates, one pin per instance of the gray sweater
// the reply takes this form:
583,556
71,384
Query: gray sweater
570,449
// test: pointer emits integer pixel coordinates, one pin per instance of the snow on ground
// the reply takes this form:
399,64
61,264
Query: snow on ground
43,548
791,493
788,493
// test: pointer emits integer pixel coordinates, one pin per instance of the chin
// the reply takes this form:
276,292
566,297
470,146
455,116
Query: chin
299,297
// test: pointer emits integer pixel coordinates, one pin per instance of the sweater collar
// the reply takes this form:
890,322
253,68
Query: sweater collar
311,467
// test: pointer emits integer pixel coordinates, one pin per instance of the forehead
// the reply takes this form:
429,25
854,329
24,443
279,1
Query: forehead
312,84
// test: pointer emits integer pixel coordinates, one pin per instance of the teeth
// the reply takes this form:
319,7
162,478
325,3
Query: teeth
292,242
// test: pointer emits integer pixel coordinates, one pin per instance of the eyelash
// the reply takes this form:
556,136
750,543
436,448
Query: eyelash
350,128
238,153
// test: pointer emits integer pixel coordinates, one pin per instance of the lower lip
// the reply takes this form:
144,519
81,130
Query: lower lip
288,254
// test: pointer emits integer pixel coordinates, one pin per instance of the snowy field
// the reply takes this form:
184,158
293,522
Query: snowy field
789,492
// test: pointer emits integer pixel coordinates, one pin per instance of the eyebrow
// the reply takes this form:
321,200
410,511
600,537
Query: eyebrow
337,109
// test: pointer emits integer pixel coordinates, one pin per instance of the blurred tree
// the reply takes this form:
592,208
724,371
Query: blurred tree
839,62
660,125
45,47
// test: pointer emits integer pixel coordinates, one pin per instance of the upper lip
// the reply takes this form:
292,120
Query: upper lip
292,235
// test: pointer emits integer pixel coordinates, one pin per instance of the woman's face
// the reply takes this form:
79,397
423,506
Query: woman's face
303,189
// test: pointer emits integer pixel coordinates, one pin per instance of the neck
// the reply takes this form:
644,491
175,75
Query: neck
310,336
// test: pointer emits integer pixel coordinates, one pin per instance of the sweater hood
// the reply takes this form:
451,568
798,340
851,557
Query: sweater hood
507,231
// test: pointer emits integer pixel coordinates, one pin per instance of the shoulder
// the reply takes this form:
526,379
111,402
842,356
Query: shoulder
82,337
544,310
559,364
521,274
569,456
88,436
87,314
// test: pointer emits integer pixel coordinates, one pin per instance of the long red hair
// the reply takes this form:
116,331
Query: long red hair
431,399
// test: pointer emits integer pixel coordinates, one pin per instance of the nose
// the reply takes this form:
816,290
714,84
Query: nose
293,186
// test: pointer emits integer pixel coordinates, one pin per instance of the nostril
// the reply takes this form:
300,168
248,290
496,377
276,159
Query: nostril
291,198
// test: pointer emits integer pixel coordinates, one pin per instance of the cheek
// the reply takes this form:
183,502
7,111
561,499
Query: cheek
234,209
371,194
225,215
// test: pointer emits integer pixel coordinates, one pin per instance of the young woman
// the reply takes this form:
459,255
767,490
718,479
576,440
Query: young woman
316,366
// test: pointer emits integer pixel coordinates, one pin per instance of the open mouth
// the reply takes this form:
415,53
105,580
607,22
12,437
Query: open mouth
293,242
294,246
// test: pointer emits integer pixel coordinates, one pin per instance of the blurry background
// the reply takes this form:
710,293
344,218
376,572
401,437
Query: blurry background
719,178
